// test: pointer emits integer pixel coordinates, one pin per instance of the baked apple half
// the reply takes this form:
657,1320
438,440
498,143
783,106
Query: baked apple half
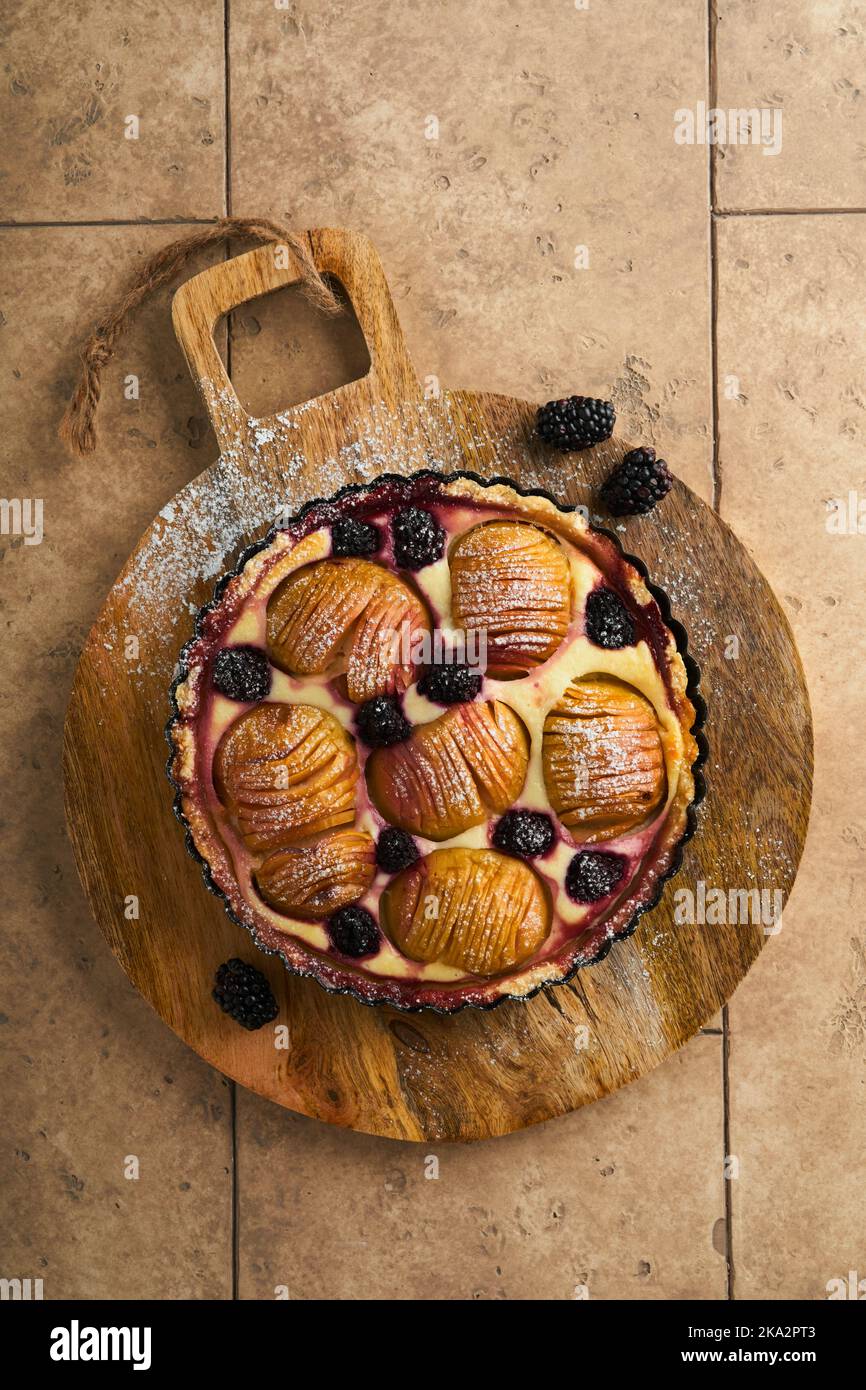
604,766
350,616
473,909
453,773
285,772
511,585
315,877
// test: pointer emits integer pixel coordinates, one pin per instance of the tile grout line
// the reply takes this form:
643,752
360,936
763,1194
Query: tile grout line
227,69
227,209
787,212
235,1249
113,222
713,91
712,96
717,215
726,1096
714,364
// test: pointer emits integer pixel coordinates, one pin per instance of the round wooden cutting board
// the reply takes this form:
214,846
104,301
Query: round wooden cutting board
418,1076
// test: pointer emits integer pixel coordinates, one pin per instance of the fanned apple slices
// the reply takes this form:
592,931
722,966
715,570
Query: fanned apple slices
602,757
349,617
285,772
314,879
473,909
452,773
510,581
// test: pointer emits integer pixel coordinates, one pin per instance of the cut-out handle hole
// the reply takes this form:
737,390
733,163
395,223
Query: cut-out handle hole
283,350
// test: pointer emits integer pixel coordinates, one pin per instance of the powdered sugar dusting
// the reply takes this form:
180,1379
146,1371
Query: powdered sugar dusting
262,478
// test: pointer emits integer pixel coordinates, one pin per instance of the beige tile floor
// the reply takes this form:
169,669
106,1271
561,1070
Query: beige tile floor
555,132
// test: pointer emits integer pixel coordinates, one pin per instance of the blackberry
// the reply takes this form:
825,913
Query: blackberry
349,536
244,994
395,850
354,932
637,484
526,833
607,621
381,721
242,673
592,874
450,684
575,423
418,538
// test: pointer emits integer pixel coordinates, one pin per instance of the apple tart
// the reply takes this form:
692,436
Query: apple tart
433,742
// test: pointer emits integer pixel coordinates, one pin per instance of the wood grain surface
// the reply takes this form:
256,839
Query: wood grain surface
418,1077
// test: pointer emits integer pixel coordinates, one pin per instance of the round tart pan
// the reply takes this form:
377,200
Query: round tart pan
339,975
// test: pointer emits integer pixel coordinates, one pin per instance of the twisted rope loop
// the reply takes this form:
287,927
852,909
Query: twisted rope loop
78,426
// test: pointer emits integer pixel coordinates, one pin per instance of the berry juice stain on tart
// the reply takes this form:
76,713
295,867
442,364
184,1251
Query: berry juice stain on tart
433,743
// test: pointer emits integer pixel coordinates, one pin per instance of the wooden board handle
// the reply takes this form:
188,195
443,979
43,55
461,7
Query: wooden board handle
350,258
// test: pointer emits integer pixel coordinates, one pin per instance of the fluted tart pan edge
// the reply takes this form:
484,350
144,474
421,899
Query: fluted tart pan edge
525,983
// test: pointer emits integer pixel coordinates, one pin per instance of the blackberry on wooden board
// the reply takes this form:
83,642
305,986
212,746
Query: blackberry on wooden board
575,423
244,994
634,488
